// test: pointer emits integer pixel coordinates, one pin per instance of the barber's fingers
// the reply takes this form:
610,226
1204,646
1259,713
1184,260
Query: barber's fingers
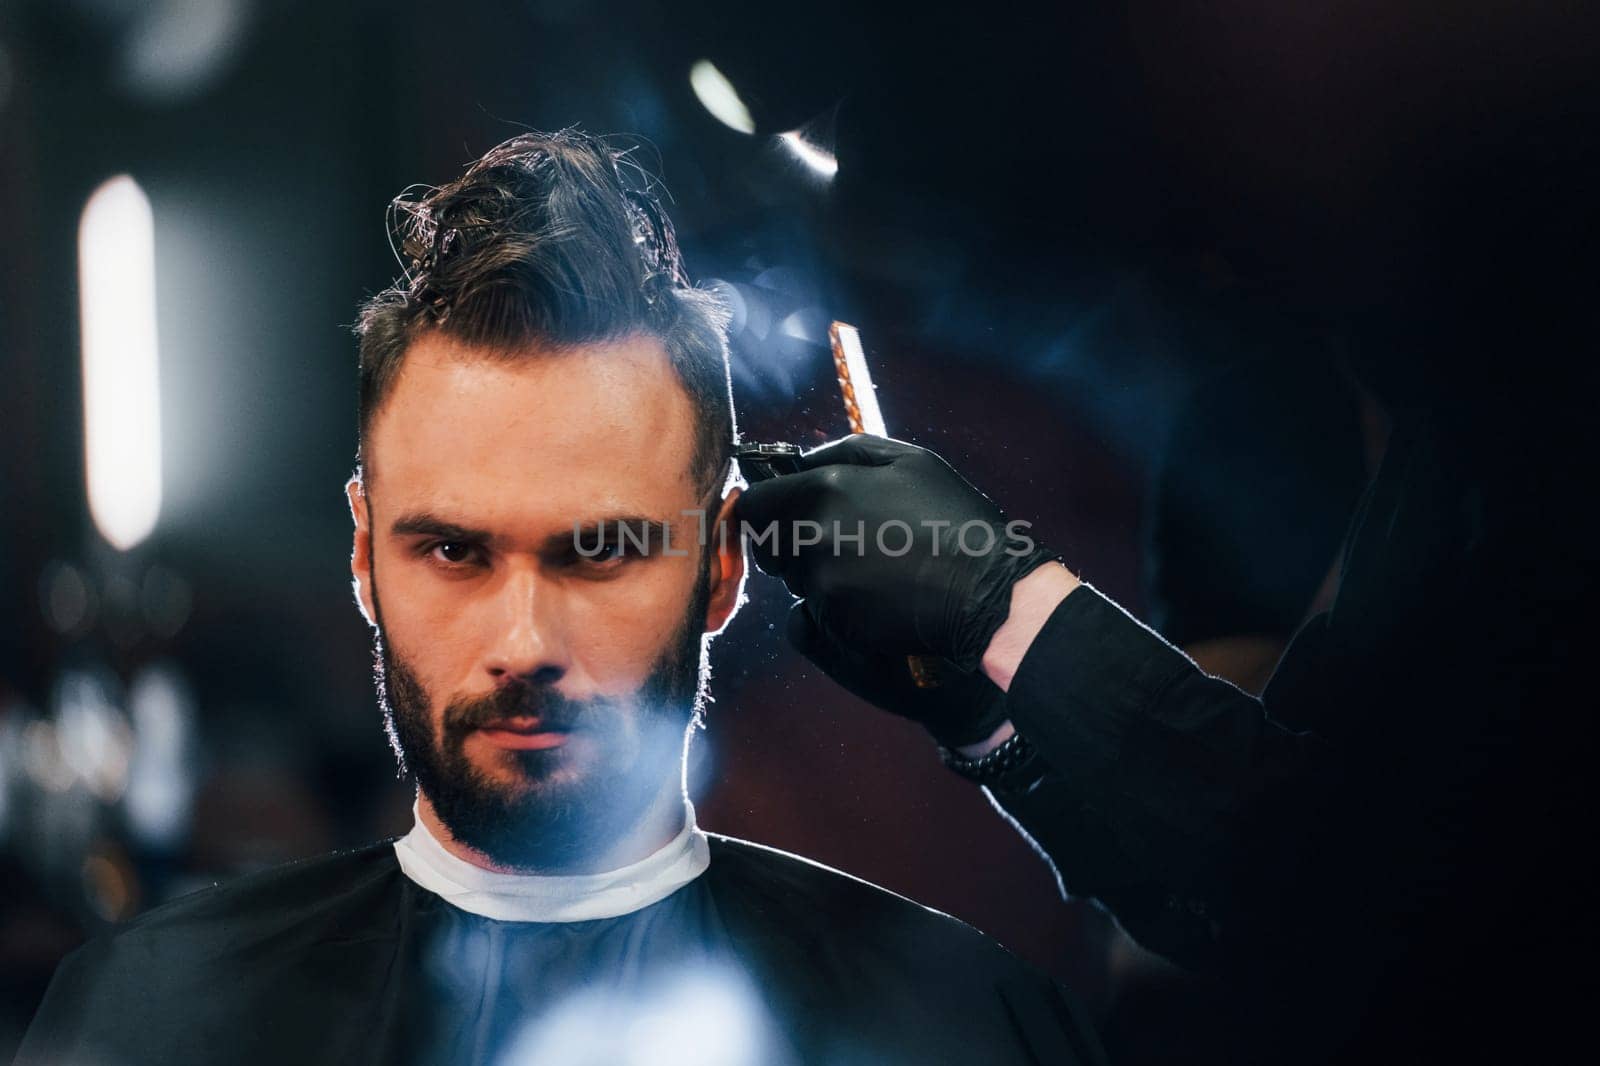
864,675
964,709
858,449
799,495
879,677
811,639
769,514
915,466
804,634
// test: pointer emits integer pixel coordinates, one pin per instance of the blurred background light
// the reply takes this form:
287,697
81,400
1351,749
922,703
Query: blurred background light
42,759
92,737
109,884
778,330
808,324
121,393
178,48
719,97
66,597
821,162
161,775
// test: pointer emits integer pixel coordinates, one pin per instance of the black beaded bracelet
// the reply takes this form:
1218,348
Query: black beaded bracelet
1013,753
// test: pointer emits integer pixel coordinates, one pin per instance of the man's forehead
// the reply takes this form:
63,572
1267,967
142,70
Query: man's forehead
599,429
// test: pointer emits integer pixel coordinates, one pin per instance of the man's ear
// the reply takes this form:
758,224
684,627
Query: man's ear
361,553
727,566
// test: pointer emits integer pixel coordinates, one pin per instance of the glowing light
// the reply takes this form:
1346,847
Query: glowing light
820,161
719,97
121,393
41,758
175,48
807,324
160,790
707,1018
92,738
866,393
675,1030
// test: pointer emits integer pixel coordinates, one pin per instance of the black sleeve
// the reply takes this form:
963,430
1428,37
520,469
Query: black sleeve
1156,785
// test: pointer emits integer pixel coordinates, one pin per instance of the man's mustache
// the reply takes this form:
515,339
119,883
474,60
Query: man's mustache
519,699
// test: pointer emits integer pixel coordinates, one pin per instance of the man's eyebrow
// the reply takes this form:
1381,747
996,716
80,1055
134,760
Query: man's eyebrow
640,527
426,524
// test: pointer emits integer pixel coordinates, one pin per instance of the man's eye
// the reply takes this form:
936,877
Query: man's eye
603,554
454,553
608,550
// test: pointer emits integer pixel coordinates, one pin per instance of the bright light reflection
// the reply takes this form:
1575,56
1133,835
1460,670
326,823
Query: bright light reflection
719,96
121,394
705,1018
818,160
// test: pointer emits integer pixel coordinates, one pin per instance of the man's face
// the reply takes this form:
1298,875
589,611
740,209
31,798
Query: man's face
540,693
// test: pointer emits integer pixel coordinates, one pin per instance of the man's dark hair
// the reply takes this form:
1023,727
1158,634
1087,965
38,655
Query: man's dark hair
554,239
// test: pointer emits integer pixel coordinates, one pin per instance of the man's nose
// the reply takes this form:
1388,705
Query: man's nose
528,643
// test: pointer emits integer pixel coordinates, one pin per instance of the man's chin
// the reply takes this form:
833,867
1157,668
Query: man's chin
528,821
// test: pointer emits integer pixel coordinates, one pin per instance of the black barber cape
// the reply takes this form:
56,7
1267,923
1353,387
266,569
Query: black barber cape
762,958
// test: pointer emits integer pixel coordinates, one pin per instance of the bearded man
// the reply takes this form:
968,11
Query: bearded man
546,440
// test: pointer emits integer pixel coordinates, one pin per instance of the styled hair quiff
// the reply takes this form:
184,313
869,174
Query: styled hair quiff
555,240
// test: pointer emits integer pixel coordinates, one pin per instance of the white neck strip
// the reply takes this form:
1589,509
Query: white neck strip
509,897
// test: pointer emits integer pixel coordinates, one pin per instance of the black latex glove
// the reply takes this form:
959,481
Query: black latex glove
962,709
918,589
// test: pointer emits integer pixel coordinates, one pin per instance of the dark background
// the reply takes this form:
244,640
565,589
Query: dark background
1049,224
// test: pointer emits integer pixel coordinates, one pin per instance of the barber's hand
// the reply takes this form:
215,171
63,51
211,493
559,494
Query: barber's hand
931,571
963,709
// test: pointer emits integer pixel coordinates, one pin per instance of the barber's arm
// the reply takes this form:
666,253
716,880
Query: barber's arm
1155,789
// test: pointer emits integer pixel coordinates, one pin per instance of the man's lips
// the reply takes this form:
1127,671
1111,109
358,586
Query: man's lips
522,734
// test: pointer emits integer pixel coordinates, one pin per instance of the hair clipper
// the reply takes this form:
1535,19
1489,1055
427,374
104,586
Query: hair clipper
762,462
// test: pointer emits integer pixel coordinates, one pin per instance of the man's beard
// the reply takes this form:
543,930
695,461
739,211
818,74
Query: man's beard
549,817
